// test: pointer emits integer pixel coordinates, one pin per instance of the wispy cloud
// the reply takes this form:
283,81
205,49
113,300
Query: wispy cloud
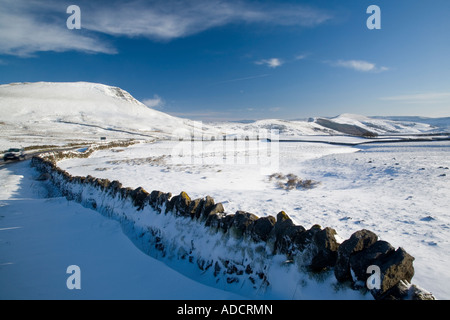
433,97
243,78
301,56
23,31
359,65
271,63
30,26
278,62
155,103
170,19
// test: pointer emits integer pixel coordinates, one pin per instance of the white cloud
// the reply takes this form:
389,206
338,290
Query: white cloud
155,103
360,65
23,32
171,19
301,57
30,26
271,63
278,62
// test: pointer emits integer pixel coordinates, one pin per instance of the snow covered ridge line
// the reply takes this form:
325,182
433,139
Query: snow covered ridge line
239,248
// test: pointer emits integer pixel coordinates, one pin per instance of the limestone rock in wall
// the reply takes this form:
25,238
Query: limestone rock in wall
358,241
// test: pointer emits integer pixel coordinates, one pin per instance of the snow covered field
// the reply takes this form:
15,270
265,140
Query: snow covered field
399,191
41,234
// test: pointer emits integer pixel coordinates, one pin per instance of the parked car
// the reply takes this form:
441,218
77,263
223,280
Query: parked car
14,154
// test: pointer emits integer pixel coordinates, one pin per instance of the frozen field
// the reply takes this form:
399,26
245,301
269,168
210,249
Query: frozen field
398,190
41,234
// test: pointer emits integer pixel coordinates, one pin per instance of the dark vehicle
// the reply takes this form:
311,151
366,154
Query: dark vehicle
14,154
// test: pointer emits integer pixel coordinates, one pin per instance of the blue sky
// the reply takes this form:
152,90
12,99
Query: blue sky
234,60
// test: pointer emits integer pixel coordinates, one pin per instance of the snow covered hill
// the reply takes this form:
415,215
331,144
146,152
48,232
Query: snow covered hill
381,126
440,124
286,128
344,124
52,113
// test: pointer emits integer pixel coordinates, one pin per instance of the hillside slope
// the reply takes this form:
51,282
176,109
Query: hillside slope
358,124
46,113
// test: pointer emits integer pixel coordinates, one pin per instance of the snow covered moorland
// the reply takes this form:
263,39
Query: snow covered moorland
399,190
